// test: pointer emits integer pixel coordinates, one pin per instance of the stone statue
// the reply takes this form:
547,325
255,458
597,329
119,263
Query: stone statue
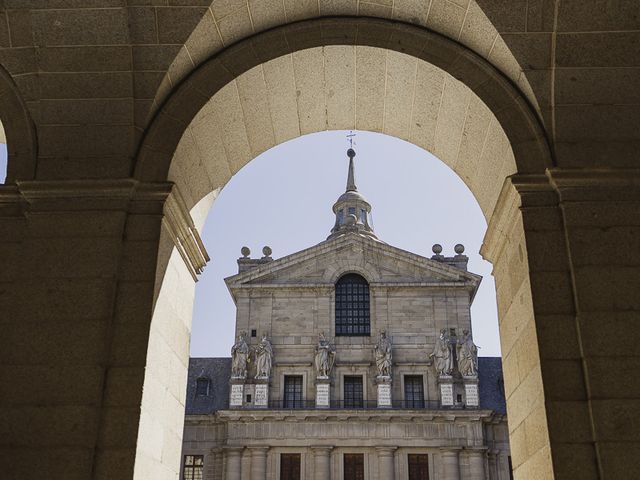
325,357
264,358
239,357
383,355
442,355
467,355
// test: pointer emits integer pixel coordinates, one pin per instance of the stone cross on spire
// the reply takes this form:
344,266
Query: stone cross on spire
352,209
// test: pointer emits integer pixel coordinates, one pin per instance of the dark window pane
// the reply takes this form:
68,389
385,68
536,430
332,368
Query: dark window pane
418,466
290,466
353,466
202,387
352,305
413,391
293,391
353,397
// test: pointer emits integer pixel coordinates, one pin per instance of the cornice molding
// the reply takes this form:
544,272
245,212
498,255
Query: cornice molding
161,198
184,234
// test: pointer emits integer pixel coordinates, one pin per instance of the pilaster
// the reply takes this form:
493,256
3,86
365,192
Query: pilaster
450,463
386,462
233,458
322,462
258,462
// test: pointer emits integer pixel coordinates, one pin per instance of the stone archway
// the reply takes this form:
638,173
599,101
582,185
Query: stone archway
19,131
183,147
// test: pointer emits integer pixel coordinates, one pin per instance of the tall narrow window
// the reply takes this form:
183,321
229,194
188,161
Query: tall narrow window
193,467
418,466
354,466
290,466
413,391
292,391
352,306
202,387
353,397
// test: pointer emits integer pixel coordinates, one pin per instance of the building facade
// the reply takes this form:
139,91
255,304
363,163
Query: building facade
353,360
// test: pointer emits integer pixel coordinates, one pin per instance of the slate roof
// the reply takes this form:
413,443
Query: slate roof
218,371
491,384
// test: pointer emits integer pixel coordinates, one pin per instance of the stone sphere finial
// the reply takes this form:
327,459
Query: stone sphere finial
437,249
459,249
245,251
266,251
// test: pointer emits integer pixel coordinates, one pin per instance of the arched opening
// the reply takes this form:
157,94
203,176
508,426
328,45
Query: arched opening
515,145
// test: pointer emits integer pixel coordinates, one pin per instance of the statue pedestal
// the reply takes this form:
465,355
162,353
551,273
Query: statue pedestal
322,392
384,391
445,383
261,393
236,395
471,396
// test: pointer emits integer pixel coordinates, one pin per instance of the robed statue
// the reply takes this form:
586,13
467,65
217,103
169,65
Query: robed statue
325,356
239,357
442,355
264,358
467,355
383,355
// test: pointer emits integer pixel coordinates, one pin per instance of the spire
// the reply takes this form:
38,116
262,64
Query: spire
351,178
353,212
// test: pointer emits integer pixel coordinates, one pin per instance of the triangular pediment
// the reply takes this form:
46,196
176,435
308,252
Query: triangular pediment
378,262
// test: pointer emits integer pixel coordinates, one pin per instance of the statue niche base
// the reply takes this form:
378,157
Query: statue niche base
323,392
261,393
384,391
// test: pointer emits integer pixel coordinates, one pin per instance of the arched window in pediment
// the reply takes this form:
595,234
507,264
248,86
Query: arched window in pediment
352,306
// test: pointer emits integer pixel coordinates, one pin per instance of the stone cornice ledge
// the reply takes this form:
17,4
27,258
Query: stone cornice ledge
184,234
577,185
116,194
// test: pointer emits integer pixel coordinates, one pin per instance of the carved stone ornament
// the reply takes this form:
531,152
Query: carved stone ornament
264,358
442,354
239,357
325,355
383,352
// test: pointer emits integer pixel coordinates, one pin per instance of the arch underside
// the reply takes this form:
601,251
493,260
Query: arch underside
342,88
344,73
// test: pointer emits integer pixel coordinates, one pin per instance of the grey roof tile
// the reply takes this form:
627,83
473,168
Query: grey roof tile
218,371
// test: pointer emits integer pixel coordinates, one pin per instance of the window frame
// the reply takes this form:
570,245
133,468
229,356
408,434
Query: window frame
199,381
192,467
421,466
297,391
412,380
290,476
347,458
356,401
352,306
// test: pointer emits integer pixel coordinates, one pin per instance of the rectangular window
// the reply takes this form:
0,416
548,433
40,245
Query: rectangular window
418,466
193,467
293,391
413,391
353,466
290,466
353,392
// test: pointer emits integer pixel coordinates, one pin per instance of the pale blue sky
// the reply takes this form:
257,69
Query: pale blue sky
283,199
